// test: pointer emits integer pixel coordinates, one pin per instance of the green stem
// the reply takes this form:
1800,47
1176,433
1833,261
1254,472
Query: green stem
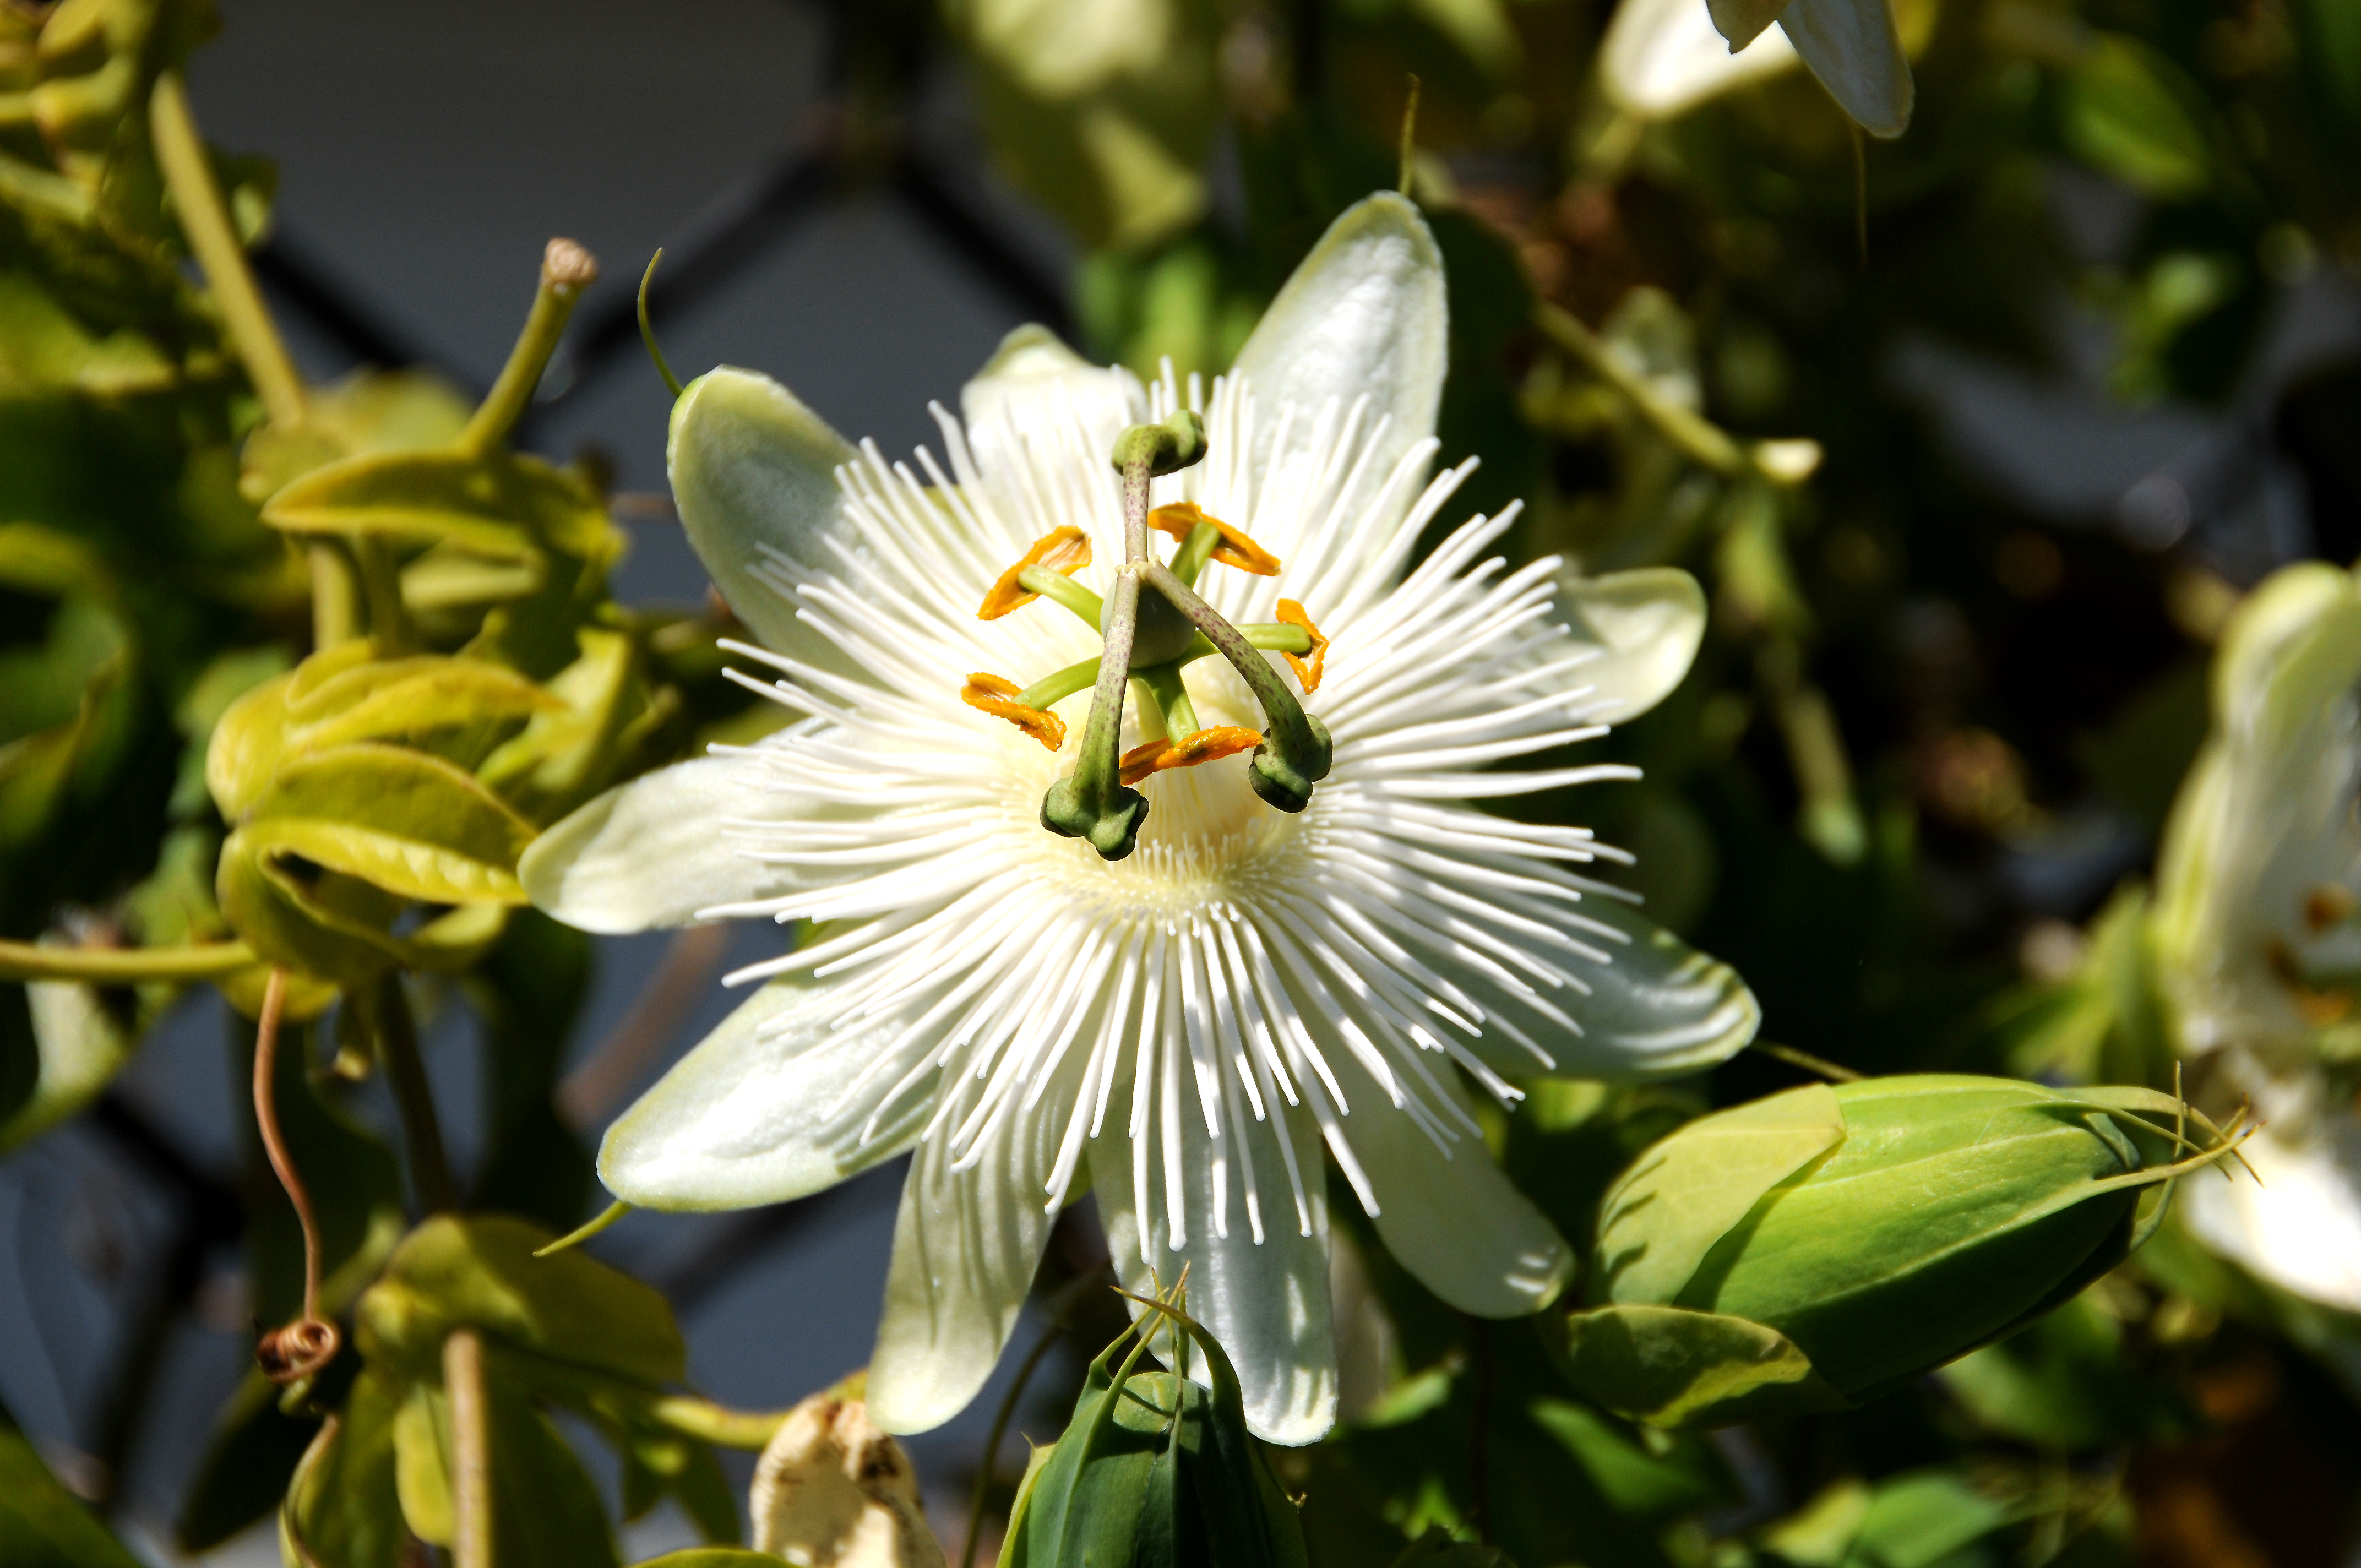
1064,590
471,1450
413,1097
718,1424
213,239
587,1229
336,594
1165,689
126,966
1283,720
1059,684
565,270
1700,438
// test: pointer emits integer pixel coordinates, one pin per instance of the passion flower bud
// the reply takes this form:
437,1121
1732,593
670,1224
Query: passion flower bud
1811,1250
1154,1470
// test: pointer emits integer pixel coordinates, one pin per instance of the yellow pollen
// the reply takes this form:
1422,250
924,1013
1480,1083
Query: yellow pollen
1066,549
1181,519
1306,667
1200,746
997,694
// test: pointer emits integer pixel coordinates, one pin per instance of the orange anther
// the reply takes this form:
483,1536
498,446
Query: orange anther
1181,519
997,694
1305,665
1198,746
1066,549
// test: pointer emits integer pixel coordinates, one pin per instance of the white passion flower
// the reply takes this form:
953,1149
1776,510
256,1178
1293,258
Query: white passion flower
1238,961
2258,928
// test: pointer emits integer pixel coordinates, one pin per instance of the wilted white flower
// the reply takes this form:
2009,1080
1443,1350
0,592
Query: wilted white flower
2257,943
831,1491
1183,1028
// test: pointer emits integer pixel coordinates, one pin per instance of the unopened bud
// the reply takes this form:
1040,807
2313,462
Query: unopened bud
1812,1250
832,1491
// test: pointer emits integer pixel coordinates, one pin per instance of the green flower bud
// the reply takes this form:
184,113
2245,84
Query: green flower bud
1811,1250
1154,1471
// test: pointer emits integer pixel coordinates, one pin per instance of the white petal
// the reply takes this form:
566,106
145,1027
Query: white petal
1453,1219
753,472
654,851
965,1249
1030,383
1365,314
1853,46
2300,1228
1658,1009
1646,624
758,1113
1661,58
1267,1303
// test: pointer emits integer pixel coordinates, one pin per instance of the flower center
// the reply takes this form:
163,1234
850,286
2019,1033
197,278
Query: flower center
1153,624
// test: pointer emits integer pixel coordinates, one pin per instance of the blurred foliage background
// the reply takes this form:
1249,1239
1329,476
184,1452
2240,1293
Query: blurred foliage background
1976,437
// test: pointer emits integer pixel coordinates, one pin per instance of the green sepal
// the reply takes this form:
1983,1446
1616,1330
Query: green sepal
480,1272
1670,1366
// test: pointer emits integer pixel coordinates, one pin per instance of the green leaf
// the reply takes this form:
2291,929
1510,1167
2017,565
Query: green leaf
480,1272
1669,1366
44,348
340,1508
42,1525
406,822
370,410
1920,1519
1437,1548
83,1039
1634,1481
601,709
1684,1192
545,1509
421,1463
502,507
324,924
2129,112
710,1557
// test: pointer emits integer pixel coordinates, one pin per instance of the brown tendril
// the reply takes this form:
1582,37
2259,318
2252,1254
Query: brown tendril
301,1348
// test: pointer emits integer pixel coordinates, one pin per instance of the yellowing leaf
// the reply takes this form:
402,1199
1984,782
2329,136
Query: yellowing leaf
406,822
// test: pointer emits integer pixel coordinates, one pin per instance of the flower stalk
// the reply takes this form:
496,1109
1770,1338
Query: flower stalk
567,270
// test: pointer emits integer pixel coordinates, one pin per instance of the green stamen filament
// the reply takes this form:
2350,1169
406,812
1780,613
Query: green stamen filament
1062,589
1059,684
1189,561
1169,698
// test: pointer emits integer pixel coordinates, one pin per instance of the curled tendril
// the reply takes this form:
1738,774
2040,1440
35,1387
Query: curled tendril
299,1349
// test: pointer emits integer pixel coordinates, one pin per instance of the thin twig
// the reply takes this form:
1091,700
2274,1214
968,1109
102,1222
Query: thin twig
213,239
303,1347
413,1097
471,1458
125,966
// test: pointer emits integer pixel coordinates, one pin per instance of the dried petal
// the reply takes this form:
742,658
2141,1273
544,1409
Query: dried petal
997,694
832,1491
